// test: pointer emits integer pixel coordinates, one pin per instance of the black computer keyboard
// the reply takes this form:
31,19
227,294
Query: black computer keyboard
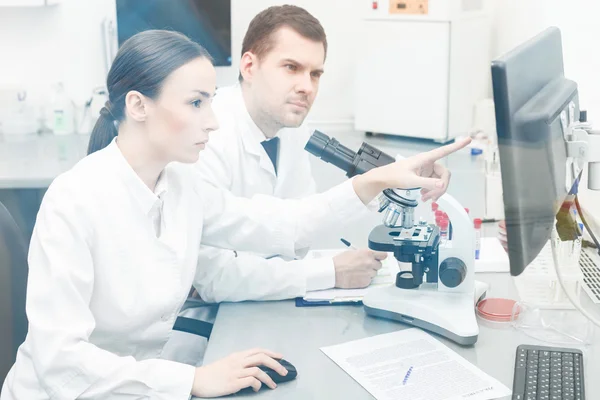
548,373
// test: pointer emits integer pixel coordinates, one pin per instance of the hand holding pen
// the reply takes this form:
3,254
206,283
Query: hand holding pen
355,268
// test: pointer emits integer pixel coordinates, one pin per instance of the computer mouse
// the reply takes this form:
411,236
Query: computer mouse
292,373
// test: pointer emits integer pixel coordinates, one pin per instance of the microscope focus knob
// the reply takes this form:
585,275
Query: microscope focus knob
452,272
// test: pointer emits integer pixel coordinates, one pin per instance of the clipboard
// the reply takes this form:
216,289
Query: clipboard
300,302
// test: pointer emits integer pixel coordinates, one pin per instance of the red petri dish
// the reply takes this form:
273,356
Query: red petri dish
496,309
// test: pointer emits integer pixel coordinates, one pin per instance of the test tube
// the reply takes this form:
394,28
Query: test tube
477,224
434,208
443,224
580,224
439,214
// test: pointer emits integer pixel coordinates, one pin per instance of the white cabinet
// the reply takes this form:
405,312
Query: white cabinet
28,3
421,75
402,88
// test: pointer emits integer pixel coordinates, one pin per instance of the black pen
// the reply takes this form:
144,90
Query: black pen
347,243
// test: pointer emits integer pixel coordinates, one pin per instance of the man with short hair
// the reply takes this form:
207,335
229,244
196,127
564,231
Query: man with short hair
259,150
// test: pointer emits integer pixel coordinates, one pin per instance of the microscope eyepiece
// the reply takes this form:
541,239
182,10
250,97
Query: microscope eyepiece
331,151
397,205
317,143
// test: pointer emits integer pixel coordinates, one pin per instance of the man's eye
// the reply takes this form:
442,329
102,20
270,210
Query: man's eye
291,67
196,103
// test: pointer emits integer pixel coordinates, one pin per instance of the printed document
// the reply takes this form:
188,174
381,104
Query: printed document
412,365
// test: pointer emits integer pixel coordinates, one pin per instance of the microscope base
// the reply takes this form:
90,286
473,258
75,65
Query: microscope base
451,315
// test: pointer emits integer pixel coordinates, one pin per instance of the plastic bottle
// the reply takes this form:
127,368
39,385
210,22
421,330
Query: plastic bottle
63,113
477,224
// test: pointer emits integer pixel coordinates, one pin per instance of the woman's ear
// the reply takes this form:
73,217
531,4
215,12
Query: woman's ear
135,105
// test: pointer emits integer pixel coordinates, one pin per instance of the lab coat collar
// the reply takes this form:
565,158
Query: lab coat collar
252,136
142,193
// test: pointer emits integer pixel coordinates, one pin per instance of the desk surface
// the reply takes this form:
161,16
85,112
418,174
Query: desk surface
299,333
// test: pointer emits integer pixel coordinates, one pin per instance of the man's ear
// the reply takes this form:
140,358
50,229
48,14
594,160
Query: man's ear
248,65
135,105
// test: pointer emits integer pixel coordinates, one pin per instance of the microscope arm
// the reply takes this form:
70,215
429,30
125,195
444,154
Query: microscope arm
462,245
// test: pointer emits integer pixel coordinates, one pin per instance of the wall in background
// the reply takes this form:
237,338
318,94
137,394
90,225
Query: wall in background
517,20
64,43
44,45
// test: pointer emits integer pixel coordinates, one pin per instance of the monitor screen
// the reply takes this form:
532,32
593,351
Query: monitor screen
207,22
532,97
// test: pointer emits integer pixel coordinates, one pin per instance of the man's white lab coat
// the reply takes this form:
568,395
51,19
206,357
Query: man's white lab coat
235,160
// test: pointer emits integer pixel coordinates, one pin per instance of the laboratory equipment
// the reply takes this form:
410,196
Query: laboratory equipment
438,293
17,112
91,110
543,372
538,285
543,151
494,208
443,225
422,72
477,224
498,311
394,204
63,112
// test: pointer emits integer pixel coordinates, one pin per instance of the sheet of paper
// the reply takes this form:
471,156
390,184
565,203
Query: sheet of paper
381,365
492,256
385,276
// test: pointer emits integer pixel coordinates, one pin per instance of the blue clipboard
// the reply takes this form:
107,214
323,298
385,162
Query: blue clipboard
300,302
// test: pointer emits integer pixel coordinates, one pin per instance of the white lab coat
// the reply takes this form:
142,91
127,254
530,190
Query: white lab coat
235,160
104,291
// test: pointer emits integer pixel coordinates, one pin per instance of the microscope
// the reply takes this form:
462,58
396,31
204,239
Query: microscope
437,293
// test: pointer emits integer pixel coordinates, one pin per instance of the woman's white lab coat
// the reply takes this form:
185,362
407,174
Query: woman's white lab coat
104,290
236,161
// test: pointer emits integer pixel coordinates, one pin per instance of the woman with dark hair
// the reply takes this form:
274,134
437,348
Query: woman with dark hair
115,246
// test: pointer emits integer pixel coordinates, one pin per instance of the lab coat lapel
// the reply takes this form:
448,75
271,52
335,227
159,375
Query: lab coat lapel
252,136
252,146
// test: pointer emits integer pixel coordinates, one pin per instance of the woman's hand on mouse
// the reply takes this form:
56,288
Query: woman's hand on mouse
236,372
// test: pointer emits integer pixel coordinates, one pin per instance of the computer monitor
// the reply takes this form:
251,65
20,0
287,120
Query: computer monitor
530,93
207,22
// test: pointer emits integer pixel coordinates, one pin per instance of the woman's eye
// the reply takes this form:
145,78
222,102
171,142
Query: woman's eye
196,103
